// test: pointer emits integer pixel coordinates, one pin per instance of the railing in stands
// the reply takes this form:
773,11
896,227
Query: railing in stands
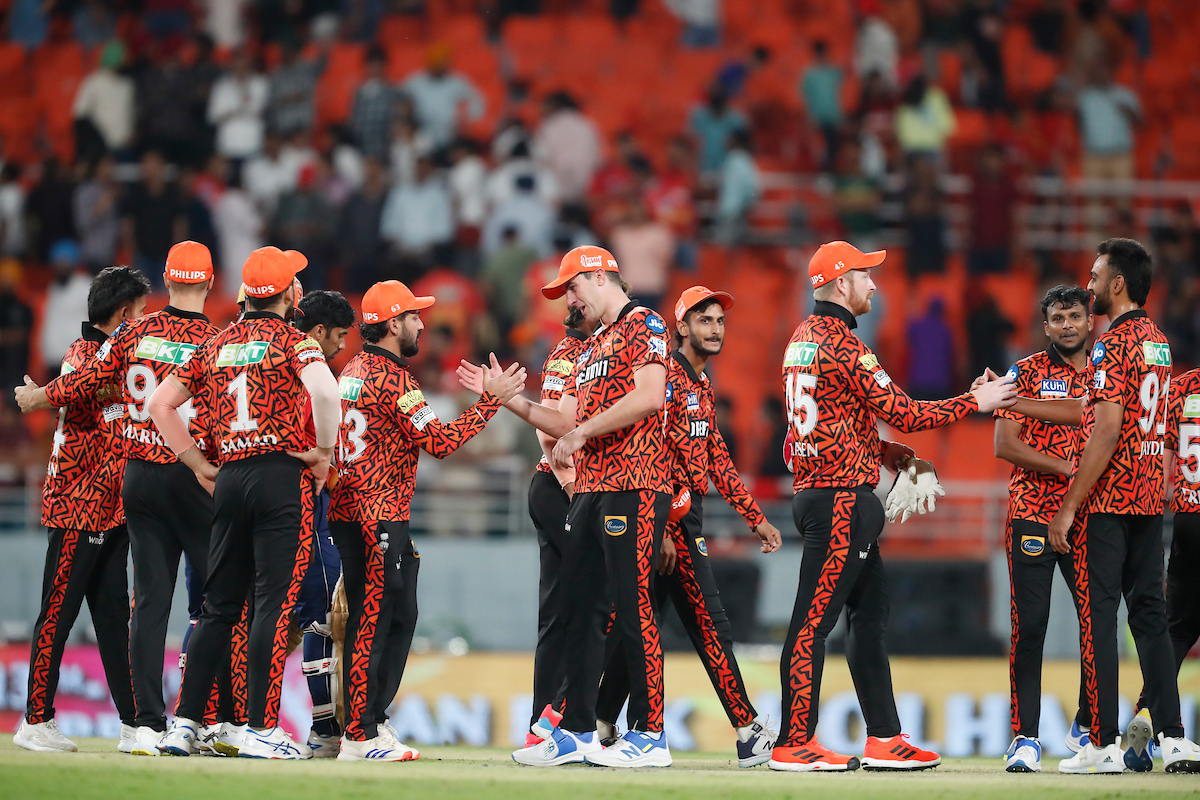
1058,214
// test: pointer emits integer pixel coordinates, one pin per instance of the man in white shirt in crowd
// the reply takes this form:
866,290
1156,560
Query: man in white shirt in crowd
439,94
105,99
236,107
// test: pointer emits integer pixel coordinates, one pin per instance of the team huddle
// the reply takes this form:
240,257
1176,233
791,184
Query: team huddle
240,450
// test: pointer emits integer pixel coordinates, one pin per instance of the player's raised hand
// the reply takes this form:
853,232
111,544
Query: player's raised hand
987,375
470,376
995,394
505,384
24,395
771,540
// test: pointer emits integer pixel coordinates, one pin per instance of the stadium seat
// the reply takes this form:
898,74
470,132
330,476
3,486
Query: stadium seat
14,80
590,36
401,28
523,34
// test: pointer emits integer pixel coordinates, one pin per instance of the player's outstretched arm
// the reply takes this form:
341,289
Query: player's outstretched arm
648,396
553,421
1008,446
31,397
725,477
1097,454
1068,411
163,406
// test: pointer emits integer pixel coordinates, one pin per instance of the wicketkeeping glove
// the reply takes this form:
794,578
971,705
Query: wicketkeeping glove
926,486
901,499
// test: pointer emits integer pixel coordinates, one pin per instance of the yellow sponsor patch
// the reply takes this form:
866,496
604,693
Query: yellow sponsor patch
307,343
869,361
560,365
410,401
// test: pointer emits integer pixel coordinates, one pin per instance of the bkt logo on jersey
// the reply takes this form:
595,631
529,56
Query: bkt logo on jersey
800,354
1157,354
152,348
350,389
592,372
239,355
1054,387
699,428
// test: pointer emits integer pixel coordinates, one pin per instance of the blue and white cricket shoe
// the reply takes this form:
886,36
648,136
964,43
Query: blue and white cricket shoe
560,747
1024,755
634,749
274,743
1136,743
1077,737
381,748
180,740
755,743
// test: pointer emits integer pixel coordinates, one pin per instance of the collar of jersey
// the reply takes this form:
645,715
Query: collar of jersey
1128,315
376,350
93,334
571,333
824,308
688,369
630,306
261,315
175,312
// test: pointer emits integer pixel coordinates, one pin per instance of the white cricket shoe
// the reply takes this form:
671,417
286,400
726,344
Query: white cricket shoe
1024,755
273,743
634,749
146,741
220,739
180,739
381,748
44,737
755,743
386,729
1093,759
128,736
1179,755
324,746
560,747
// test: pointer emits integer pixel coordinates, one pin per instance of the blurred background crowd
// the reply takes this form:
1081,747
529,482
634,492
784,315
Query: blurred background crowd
462,145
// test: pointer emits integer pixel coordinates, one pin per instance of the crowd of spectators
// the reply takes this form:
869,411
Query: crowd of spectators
182,131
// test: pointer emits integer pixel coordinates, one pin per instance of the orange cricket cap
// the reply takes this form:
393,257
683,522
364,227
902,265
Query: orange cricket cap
389,299
189,262
838,258
587,258
694,295
269,271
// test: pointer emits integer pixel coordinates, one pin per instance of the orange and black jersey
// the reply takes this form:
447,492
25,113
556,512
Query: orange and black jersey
138,357
1037,496
1131,366
83,480
835,392
386,422
558,372
249,374
1183,437
697,450
632,457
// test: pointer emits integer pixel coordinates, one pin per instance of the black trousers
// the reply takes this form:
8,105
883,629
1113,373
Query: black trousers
260,506
168,513
548,505
607,568
379,570
82,565
1122,554
693,589
1183,586
1031,565
841,568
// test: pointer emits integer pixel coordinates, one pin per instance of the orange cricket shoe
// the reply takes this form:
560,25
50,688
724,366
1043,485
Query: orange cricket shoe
810,757
897,754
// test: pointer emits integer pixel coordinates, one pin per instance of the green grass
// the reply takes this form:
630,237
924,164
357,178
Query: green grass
98,771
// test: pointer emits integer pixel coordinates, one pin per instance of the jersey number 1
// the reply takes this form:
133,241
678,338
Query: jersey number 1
237,388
